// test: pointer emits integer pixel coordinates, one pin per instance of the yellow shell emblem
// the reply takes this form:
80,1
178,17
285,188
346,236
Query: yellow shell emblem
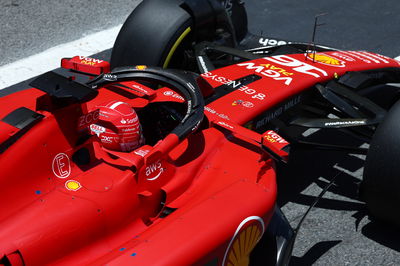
72,185
141,67
244,241
325,59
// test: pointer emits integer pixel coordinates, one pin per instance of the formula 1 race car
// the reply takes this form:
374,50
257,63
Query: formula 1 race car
169,154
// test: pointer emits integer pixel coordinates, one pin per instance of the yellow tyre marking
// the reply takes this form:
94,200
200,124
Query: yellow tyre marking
175,46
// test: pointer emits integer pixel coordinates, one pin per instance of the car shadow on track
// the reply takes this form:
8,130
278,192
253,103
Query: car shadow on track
316,169
314,253
383,234
307,168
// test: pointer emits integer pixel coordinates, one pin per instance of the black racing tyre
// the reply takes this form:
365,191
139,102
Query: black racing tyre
160,33
150,34
381,182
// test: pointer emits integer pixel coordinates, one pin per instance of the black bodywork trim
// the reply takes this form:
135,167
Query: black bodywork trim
63,91
23,119
330,147
284,236
368,78
225,89
362,111
205,63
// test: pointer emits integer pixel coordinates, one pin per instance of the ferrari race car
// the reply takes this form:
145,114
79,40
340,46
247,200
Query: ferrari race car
218,116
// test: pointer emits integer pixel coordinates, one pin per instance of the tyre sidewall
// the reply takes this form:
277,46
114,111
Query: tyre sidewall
381,181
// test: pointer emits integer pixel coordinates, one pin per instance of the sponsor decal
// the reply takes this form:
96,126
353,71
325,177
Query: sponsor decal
366,57
354,55
72,185
325,59
235,85
141,67
129,121
191,87
173,95
254,94
106,139
345,123
97,129
189,108
225,124
87,119
61,165
377,58
246,237
141,152
270,115
140,89
196,126
90,61
131,129
202,63
273,137
264,69
297,66
220,79
271,42
277,69
210,110
343,56
248,104
110,77
154,171
243,103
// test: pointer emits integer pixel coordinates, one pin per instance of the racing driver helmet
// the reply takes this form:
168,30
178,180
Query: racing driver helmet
118,127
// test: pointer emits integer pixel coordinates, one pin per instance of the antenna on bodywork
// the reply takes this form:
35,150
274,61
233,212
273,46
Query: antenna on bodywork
312,43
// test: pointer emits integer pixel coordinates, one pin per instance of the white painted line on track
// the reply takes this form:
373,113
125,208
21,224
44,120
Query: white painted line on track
37,64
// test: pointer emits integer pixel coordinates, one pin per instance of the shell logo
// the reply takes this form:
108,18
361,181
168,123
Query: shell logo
325,59
246,237
72,185
141,67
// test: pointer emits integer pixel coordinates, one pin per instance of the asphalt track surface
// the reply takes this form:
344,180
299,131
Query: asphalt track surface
338,231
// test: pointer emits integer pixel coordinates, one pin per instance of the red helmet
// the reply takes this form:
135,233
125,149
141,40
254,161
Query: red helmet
118,127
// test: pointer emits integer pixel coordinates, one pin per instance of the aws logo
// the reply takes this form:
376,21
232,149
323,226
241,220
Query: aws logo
326,59
154,170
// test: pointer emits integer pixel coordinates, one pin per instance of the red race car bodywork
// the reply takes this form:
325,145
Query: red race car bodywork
206,198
